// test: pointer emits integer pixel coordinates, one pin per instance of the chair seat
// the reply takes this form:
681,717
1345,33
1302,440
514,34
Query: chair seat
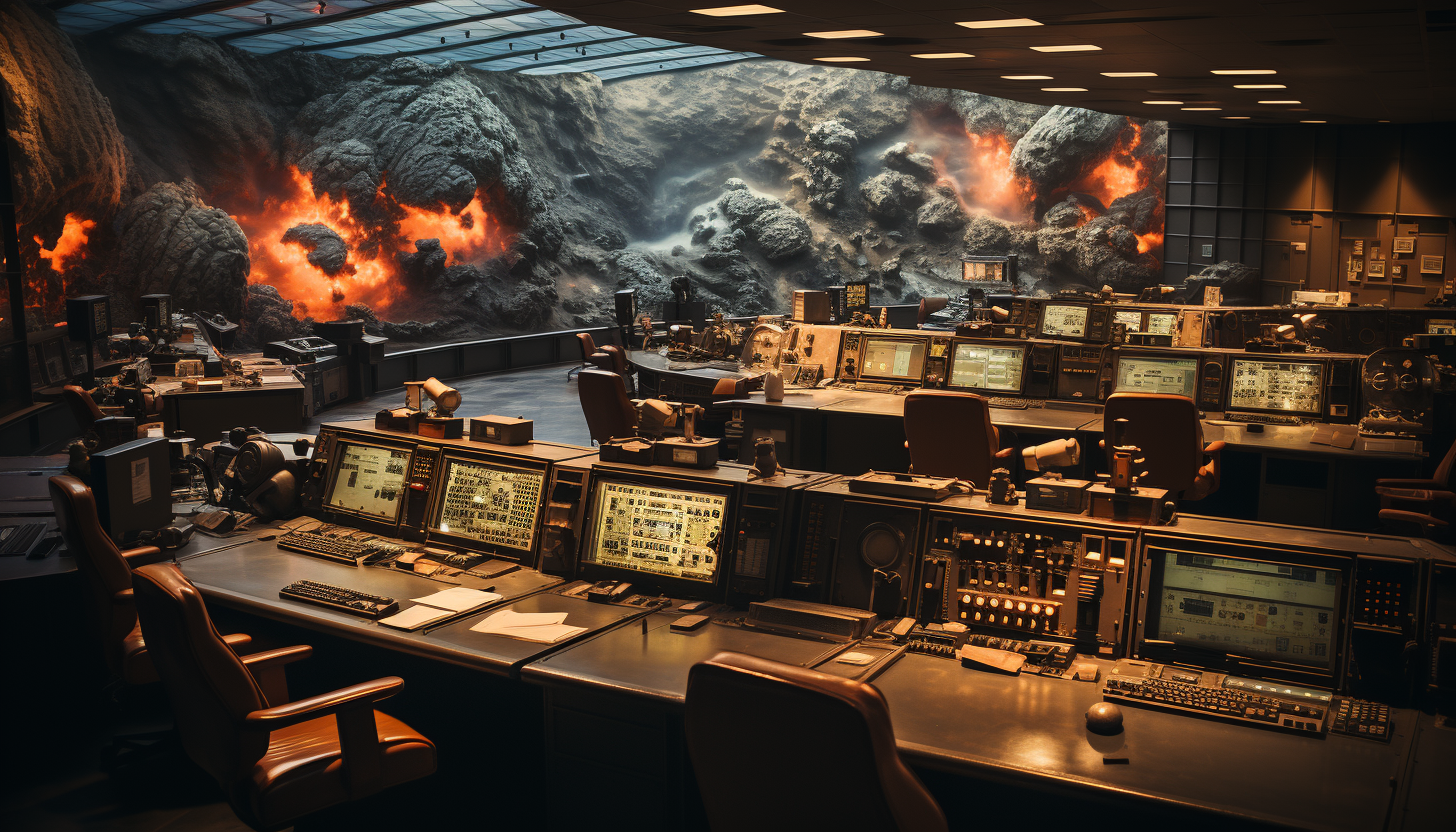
302,770
136,663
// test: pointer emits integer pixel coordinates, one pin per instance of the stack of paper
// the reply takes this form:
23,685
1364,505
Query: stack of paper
544,627
443,604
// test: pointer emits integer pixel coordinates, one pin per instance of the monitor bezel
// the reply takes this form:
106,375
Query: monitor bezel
864,345
685,588
1231,372
1149,647
1024,346
1168,356
1087,334
437,504
342,440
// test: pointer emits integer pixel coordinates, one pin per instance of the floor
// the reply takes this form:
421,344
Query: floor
58,785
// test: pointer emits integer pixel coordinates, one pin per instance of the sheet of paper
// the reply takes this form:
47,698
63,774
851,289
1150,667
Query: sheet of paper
542,627
458,599
415,617
543,635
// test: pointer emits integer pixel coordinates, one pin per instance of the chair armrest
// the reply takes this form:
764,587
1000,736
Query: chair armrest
124,598
1004,453
268,668
1407,483
1214,448
1403,522
362,695
238,641
140,552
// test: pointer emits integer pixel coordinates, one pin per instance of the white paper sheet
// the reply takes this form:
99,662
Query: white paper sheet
415,617
458,599
542,627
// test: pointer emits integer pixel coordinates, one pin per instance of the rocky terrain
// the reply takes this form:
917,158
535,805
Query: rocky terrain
439,201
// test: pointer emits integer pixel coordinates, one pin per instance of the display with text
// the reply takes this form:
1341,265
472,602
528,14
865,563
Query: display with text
893,359
489,503
1174,376
369,480
1058,320
1288,386
987,368
658,530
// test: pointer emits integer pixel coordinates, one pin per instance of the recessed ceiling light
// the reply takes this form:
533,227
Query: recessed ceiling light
1244,71
1383,121
929,56
1162,102
1260,87
737,11
1063,89
1027,77
1131,74
1074,47
845,33
1279,102
1202,109
1004,23
1312,121
841,60
1235,118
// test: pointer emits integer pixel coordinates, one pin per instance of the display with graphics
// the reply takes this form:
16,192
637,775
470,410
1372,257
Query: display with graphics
489,503
369,480
1132,320
1140,374
1162,323
987,368
893,359
663,531
1285,386
1250,608
1064,321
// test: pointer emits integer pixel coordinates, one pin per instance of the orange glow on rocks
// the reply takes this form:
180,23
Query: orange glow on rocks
1151,241
71,245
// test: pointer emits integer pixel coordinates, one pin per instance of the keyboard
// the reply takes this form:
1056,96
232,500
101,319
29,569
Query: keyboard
1264,418
873,387
1359,718
1015,404
329,547
1243,707
17,540
339,598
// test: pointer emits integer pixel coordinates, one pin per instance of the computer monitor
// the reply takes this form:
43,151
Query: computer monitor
891,359
368,480
1132,319
487,504
987,367
1173,375
667,534
1064,320
1255,614
1162,323
1273,385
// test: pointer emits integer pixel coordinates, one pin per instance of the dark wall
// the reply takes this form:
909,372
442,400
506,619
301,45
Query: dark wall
1297,200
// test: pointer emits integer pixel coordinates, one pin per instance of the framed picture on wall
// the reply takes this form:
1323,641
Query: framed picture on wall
1432,264
1403,245
1359,248
1377,253
1397,272
1376,268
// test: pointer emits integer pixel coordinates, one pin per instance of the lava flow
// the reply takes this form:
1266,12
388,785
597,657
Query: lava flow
70,249
1123,172
977,166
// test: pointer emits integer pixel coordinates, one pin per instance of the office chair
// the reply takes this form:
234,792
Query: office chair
83,407
588,346
1420,507
779,747
276,760
951,435
928,307
606,405
1170,434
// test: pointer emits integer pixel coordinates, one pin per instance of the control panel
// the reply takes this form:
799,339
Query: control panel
417,485
1084,372
849,355
855,552
562,520
760,541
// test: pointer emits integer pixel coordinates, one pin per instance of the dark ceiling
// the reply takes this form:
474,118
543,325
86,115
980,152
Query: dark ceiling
1343,61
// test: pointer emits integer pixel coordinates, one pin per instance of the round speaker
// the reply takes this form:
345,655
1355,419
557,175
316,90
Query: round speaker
257,460
1367,336
880,545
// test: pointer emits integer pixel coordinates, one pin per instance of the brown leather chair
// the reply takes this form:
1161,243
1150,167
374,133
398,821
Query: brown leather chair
606,405
1167,429
82,406
275,760
951,435
1420,507
107,571
588,346
779,747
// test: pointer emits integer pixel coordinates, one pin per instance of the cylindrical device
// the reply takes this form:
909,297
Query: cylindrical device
446,398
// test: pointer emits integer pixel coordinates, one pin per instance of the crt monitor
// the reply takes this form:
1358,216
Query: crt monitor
487,505
1174,375
1276,385
1260,615
885,358
1130,318
368,480
1162,323
987,367
664,533
1064,320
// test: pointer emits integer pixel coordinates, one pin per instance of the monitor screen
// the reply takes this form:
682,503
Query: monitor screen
893,359
983,367
1132,320
1064,321
659,530
490,503
1162,323
1440,327
1243,607
1146,374
369,480
1284,386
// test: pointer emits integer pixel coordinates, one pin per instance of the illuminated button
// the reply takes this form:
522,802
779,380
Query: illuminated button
980,600
1000,543
963,615
1021,606
995,602
978,616
1005,619
966,599
1036,609
1019,622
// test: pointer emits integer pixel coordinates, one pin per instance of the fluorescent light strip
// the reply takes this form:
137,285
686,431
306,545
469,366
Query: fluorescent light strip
1163,102
1243,71
841,60
1311,121
932,56
1236,118
1074,47
1260,87
1201,109
844,33
1130,74
1026,77
737,11
1279,102
1063,89
1004,23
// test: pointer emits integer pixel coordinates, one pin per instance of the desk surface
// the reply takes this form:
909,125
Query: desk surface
889,405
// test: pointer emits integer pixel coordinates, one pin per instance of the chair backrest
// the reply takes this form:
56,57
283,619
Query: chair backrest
99,561
1443,470
950,435
1166,428
928,307
619,358
210,689
604,402
776,746
588,345
83,407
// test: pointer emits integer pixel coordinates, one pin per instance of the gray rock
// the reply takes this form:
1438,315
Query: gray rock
1064,143
903,157
940,217
269,317
169,240
780,234
1240,284
891,196
988,115
327,251
834,136
425,263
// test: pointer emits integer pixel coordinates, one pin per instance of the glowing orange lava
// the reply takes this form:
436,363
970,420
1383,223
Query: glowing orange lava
372,275
72,243
1151,241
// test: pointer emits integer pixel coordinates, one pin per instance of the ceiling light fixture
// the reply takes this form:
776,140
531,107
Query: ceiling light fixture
1235,118
1063,89
1243,71
1201,109
1279,102
1026,77
1260,87
1131,74
844,33
737,11
1163,102
841,60
1311,121
1072,47
1004,23
933,56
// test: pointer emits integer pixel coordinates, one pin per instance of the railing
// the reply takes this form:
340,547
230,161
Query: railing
489,355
